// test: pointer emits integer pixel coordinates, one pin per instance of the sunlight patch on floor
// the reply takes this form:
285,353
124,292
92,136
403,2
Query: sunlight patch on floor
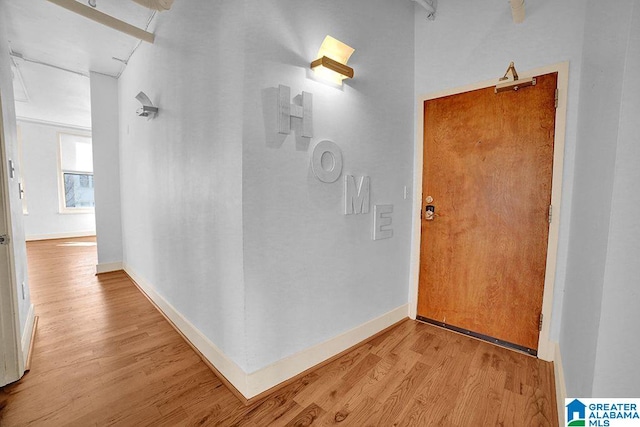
76,244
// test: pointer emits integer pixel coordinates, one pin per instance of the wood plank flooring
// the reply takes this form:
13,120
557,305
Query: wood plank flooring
104,356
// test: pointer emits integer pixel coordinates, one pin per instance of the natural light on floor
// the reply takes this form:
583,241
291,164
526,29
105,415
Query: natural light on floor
77,244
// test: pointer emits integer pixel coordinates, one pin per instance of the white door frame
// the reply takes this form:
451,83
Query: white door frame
546,348
11,352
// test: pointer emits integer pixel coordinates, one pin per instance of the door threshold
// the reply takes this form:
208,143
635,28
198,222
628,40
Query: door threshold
482,337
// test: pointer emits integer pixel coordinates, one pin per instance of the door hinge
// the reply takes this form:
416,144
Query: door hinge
550,213
557,96
4,239
540,322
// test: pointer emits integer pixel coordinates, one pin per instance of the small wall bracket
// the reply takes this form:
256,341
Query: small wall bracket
430,6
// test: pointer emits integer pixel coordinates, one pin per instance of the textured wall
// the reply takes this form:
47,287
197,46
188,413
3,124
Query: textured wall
181,173
605,46
618,350
311,272
217,215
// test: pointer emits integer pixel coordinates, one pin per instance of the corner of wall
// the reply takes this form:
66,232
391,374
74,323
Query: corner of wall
105,124
601,88
251,385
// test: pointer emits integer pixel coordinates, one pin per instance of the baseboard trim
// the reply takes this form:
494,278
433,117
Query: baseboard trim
229,373
108,267
28,336
278,386
27,364
561,385
251,387
265,379
546,350
53,236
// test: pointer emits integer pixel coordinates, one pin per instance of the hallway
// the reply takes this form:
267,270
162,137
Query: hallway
104,356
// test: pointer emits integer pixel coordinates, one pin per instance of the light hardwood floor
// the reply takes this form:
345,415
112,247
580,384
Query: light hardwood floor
104,356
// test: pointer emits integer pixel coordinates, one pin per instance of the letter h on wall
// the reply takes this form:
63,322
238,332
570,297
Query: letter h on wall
287,110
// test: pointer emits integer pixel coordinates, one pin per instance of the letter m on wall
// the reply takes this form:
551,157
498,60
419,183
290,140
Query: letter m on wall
356,197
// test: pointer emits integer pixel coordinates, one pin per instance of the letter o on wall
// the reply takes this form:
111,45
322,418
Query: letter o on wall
331,172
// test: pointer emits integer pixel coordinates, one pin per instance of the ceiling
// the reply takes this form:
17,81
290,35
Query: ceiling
54,50
52,95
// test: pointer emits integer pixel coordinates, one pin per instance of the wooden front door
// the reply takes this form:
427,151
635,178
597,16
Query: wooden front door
488,161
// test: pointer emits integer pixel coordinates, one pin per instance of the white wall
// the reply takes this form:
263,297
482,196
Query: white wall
40,162
618,351
606,34
235,232
17,233
106,167
311,272
475,41
181,173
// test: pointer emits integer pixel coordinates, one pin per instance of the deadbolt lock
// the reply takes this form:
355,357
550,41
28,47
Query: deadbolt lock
429,212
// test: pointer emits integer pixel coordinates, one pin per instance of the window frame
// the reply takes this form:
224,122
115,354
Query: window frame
62,206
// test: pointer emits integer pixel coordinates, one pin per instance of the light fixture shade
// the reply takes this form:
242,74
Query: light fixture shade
147,109
331,62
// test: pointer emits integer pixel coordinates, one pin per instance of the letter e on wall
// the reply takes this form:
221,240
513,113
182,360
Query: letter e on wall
382,222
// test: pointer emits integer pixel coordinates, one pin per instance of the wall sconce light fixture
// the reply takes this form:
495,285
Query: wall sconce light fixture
147,109
331,63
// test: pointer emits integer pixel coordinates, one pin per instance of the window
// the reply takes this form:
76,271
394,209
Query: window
78,190
76,173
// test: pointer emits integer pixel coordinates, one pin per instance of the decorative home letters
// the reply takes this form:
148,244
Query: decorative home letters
382,222
286,110
356,198
356,194
335,170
